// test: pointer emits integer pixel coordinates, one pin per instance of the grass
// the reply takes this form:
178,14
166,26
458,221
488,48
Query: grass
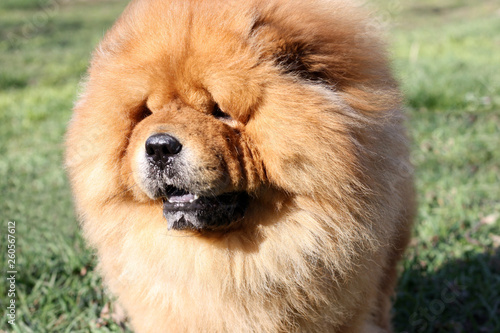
446,56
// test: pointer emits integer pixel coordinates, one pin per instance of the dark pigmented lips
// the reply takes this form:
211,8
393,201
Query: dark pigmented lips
184,210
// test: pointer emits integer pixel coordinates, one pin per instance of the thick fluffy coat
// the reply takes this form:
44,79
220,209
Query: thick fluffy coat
289,103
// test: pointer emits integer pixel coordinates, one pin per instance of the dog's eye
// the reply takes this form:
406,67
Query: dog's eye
142,113
218,113
145,112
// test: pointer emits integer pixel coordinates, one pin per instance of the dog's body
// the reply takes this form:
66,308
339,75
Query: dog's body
241,166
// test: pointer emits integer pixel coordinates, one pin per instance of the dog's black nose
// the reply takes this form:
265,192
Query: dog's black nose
161,146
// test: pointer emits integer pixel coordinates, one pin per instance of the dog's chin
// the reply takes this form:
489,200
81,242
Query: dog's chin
187,211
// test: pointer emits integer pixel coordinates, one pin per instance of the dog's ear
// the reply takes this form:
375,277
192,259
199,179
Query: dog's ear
339,55
289,52
300,59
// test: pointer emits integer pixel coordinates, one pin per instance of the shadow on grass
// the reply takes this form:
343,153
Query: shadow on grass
461,296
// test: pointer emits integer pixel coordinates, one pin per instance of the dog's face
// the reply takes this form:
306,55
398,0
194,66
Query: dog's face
196,160
222,105
190,147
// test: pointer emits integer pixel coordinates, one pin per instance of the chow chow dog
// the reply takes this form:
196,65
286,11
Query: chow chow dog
242,166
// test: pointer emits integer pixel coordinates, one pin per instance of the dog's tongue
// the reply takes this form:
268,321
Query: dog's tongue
182,198
177,195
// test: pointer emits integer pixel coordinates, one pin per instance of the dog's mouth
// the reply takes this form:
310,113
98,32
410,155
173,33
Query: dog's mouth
185,210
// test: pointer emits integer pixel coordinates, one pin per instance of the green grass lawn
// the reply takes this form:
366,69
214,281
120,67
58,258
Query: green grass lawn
447,56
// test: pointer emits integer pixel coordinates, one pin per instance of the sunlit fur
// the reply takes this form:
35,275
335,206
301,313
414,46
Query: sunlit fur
316,138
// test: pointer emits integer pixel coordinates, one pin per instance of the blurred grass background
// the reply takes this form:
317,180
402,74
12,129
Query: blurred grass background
447,56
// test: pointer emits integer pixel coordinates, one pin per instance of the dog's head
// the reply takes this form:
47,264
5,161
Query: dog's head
207,110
